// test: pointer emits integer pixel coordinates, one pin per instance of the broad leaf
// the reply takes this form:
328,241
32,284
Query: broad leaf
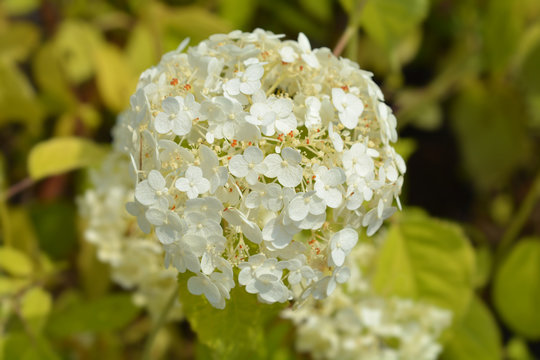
503,25
116,80
109,313
234,332
476,337
490,127
389,21
516,288
15,262
426,259
58,155
35,307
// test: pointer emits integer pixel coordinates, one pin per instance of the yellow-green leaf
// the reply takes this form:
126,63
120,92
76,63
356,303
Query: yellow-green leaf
108,313
75,43
11,286
58,155
476,337
17,40
490,124
19,7
426,259
15,262
238,12
35,307
516,288
18,99
389,21
232,333
141,49
503,26
187,21
116,80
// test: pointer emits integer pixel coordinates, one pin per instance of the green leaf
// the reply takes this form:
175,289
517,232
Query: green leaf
11,286
58,155
187,21
516,288
18,40
15,262
390,21
492,134
19,7
234,332
476,337
54,225
484,264
238,12
517,349
35,307
503,26
109,313
52,79
405,147
18,99
75,43
321,9
17,345
530,72
116,81
141,50
426,259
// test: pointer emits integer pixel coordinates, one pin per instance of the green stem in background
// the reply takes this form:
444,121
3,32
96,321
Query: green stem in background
344,39
147,354
352,29
519,219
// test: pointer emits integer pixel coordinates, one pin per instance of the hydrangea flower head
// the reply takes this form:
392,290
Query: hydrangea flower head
261,155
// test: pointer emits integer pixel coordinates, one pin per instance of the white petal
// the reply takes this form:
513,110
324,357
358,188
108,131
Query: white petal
170,105
182,184
303,42
253,200
202,186
238,166
181,125
347,238
311,60
297,209
291,155
156,180
273,163
254,72
250,87
166,234
287,54
145,194
155,216
290,176
253,155
252,232
338,257
162,123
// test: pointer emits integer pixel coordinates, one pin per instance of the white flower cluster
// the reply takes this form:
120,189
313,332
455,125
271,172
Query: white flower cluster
262,155
354,323
135,258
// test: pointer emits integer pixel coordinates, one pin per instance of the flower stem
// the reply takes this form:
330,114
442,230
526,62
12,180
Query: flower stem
344,39
147,354
352,27
519,219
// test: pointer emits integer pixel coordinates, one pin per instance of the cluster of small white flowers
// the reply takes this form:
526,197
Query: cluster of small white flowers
135,258
354,323
260,154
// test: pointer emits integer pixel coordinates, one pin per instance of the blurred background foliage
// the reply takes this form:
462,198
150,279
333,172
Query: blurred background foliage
463,77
